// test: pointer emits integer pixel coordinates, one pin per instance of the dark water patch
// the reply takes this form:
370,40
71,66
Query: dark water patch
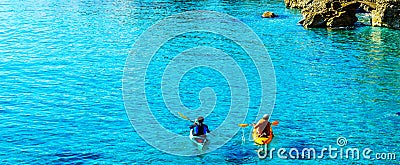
361,10
281,17
240,154
240,157
75,158
294,127
361,24
342,28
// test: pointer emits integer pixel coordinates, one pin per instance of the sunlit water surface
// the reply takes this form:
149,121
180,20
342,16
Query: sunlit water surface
61,83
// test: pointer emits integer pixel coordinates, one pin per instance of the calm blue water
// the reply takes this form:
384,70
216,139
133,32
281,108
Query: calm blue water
61,83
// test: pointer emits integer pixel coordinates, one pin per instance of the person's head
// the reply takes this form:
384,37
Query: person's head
266,117
200,119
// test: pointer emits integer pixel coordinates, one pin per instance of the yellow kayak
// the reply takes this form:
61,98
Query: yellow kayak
262,140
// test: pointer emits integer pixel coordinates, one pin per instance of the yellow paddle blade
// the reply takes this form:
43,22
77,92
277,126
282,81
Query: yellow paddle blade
243,125
183,116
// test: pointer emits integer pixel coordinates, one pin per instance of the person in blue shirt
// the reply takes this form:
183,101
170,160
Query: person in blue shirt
199,128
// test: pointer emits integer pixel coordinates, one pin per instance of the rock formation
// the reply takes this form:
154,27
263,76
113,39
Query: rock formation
341,13
387,14
329,14
298,4
268,14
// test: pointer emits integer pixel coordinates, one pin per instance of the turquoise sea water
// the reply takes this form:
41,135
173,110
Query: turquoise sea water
61,83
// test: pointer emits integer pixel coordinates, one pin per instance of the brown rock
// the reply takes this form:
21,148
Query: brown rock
268,14
336,5
341,13
330,13
299,4
387,14
343,19
346,16
314,20
301,21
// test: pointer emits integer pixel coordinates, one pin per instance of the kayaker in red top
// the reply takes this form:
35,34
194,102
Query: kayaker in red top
263,126
199,128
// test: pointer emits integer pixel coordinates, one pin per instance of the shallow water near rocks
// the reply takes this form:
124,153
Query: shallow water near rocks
62,64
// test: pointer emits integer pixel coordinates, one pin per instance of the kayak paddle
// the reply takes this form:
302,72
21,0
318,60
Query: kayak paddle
185,117
274,123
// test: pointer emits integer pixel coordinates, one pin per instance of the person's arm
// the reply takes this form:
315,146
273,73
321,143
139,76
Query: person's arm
208,130
256,125
192,126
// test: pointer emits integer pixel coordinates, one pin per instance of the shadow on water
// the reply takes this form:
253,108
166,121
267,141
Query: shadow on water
277,17
70,157
240,154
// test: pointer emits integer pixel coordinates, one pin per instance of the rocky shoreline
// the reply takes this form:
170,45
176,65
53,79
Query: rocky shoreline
342,13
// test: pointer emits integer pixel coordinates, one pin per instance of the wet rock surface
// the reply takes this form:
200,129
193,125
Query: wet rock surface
342,13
